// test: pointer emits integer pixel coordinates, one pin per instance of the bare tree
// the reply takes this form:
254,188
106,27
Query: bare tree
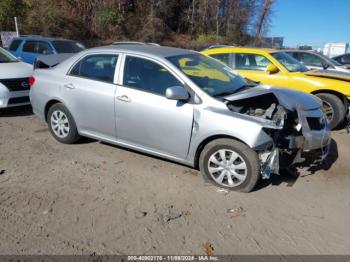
264,19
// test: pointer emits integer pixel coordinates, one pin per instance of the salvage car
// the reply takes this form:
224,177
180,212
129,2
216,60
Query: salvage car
273,67
179,105
14,81
313,60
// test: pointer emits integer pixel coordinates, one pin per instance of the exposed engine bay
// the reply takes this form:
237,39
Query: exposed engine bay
289,123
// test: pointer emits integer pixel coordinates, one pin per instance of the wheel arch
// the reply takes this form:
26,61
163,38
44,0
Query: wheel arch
209,139
341,96
49,104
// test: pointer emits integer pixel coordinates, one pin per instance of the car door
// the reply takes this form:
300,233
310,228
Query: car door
145,118
88,92
253,67
29,52
44,48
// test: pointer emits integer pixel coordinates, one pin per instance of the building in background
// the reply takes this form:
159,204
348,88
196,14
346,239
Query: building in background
335,49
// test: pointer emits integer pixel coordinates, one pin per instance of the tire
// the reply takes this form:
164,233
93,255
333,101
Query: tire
334,109
62,125
244,178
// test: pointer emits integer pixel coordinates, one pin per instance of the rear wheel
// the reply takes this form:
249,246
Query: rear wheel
230,164
333,108
62,125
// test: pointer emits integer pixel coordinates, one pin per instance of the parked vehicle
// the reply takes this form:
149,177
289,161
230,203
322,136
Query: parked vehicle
179,105
28,48
14,80
313,60
343,59
273,67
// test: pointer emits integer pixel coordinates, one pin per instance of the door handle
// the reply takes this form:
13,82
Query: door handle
69,86
124,98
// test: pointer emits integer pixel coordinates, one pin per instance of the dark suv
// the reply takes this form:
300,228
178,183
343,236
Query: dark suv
28,48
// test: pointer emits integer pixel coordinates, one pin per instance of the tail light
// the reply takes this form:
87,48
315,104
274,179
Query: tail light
31,81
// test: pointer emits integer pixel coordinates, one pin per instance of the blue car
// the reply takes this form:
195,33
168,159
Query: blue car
28,48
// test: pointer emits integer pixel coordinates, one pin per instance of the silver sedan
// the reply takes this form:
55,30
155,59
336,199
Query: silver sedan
179,105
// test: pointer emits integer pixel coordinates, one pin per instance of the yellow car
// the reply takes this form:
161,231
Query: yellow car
276,68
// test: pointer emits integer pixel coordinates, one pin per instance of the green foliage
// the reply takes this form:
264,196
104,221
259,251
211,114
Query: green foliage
109,16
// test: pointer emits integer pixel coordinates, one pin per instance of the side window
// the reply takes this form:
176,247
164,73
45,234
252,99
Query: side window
224,58
96,67
251,62
311,60
294,55
148,76
29,46
44,48
14,45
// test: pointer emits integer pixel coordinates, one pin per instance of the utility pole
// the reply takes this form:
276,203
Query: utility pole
16,24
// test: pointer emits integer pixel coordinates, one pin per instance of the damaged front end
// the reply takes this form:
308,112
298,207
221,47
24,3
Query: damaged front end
293,120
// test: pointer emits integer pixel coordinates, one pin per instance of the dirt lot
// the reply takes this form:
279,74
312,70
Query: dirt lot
94,197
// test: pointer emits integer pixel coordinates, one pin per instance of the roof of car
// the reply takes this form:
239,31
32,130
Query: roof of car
240,49
299,51
159,51
38,38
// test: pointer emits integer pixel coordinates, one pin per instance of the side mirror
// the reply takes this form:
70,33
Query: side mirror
325,66
177,93
272,69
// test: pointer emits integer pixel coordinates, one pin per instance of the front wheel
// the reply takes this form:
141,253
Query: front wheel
230,164
333,108
62,125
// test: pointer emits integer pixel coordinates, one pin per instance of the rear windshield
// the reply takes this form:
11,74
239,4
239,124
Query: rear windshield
5,57
63,46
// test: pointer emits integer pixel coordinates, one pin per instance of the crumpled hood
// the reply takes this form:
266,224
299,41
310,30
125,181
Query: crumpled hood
288,98
15,70
338,75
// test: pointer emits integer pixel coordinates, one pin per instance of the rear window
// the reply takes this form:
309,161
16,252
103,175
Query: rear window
15,44
62,46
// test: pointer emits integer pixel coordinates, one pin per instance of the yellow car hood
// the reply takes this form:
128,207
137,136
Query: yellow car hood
329,74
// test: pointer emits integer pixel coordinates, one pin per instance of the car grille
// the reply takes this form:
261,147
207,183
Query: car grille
18,100
315,123
18,84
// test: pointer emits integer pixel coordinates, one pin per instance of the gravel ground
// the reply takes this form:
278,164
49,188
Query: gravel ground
93,197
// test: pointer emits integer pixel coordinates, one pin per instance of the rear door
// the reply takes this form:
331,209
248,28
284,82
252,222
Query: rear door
29,52
145,117
15,47
89,93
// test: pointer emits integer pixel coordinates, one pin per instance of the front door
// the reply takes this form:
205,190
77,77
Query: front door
145,118
254,66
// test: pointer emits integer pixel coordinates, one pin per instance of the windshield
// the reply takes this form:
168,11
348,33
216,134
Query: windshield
5,57
211,76
289,62
330,60
64,46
